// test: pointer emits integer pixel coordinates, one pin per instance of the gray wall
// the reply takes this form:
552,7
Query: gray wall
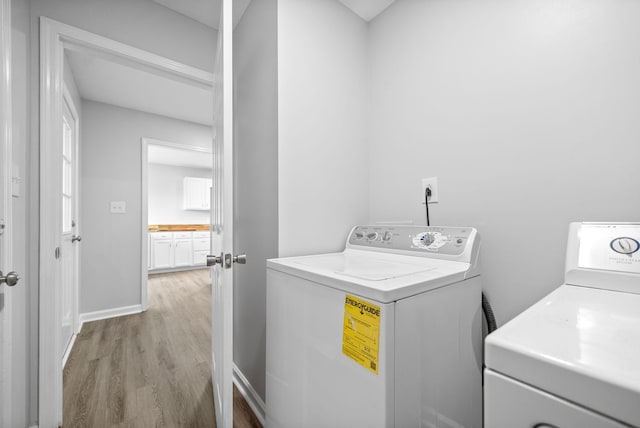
111,171
323,162
527,112
166,192
256,185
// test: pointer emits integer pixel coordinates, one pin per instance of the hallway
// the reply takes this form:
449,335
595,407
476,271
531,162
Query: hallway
150,369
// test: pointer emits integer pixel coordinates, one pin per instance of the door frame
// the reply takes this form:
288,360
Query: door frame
6,262
55,37
144,229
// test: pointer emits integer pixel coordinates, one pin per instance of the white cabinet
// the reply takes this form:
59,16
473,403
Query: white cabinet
161,250
201,247
182,249
171,250
197,193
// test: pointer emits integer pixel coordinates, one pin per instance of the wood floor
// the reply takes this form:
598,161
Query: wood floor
151,369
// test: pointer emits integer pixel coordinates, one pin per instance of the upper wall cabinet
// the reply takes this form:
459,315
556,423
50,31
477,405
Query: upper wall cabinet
197,193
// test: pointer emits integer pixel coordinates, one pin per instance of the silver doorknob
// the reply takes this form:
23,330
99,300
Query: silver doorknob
75,238
240,258
214,260
11,279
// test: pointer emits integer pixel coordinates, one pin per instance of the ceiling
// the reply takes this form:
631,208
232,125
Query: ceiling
102,80
166,155
367,9
206,12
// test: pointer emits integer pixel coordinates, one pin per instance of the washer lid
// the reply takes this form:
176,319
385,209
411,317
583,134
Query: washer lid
362,265
578,343
380,276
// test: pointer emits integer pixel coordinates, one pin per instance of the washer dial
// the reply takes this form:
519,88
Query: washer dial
625,245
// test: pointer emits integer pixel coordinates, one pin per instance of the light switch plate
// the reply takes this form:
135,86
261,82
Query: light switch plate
118,207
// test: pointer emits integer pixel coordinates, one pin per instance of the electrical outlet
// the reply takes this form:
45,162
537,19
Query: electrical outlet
431,183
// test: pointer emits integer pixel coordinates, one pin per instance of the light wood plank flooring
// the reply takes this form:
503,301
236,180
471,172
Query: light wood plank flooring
151,369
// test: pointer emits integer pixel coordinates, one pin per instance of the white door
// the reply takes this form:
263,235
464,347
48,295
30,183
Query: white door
222,223
69,238
5,213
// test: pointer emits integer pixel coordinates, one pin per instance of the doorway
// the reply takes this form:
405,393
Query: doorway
176,202
107,233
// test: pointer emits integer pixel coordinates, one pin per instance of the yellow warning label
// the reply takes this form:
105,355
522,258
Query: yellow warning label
361,333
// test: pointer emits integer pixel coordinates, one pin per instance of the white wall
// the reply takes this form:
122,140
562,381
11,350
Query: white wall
166,193
256,185
22,382
323,164
111,171
527,112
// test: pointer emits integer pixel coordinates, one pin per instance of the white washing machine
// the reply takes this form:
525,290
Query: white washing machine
386,333
573,358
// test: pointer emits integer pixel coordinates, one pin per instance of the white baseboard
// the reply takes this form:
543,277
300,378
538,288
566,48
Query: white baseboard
67,352
253,399
109,313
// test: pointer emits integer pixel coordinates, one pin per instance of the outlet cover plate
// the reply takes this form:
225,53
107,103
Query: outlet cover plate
433,183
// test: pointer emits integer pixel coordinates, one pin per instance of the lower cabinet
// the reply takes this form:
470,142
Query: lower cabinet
168,250
182,249
201,247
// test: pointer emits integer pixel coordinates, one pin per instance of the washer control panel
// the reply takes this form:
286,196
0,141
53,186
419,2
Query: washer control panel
427,239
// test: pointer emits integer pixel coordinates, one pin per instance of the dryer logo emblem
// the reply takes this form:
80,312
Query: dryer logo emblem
625,245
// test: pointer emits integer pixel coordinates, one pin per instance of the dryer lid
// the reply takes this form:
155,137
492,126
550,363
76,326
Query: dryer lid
579,343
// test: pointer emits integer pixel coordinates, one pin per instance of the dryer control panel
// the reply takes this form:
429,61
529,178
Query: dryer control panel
604,255
611,247
442,240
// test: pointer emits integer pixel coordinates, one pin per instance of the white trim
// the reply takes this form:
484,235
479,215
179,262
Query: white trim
67,352
50,373
178,145
144,229
6,263
54,38
177,269
109,313
84,41
250,395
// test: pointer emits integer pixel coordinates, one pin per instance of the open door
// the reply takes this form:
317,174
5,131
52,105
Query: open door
222,255
6,279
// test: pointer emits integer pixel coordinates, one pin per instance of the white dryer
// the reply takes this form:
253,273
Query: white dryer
386,333
573,358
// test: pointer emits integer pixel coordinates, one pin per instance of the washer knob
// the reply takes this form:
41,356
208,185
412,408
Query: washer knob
427,239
